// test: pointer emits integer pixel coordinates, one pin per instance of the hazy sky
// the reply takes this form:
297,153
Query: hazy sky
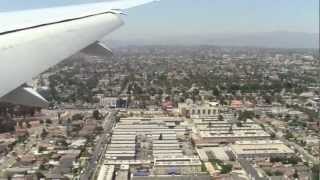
194,17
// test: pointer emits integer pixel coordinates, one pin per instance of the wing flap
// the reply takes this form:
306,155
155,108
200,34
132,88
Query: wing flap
25,96
97,49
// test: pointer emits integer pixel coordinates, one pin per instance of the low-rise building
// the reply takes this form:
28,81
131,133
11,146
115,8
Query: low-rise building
231,136
174,165
205,109
260,149
106,172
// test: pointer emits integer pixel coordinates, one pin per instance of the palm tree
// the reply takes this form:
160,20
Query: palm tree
210,126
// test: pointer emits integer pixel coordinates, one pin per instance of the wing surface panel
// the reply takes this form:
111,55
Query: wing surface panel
31,41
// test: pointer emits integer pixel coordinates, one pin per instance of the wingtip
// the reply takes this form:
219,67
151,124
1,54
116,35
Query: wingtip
134,3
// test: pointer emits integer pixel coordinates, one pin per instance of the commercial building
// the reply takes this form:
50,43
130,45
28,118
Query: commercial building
141,129
166,147
123,173
205,109
177,165
260,149
232,136
106,172
155,142
215,129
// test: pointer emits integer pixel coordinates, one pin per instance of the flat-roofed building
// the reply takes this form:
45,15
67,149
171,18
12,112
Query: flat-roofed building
231,136
169,177
125,132
169,165
165,136
204,109
139,134
129,162
214,121
129,156
167,152
123,142
174,141
106,172
145,120
260,149
123,137
139,129
234,127
165,146
120,152
123,173
122,145
121,149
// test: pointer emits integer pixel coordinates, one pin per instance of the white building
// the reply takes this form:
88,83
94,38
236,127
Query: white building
184,165
106,172
232,136
260,149
205,109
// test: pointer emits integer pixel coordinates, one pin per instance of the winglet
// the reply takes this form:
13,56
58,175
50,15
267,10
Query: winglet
127,4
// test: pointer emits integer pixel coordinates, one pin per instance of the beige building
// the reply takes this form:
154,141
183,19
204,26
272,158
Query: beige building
230,137
260,149
204,109
183,165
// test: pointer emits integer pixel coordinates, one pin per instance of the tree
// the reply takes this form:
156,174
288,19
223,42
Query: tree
289,135
243,116
96,115
215,91
239,124
28,124
20,123
210,125
59,121
226,168
160,136
316,172
44,133
41,149
59,115
48,121
77,116
287,117
295,174
293,160
278,173
7,125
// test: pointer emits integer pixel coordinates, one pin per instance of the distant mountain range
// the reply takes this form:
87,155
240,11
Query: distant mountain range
267,39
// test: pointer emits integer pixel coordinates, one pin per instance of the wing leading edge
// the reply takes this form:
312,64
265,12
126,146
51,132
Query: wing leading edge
32,41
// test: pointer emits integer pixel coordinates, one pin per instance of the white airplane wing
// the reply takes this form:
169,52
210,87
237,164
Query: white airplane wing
33,40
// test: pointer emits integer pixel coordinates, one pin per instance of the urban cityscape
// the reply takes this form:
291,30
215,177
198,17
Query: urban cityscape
170,112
